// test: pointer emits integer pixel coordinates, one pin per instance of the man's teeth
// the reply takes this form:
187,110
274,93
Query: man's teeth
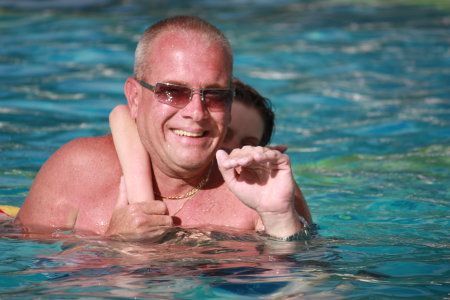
187,133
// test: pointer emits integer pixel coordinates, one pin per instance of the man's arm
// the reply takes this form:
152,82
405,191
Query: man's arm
302,206
300,202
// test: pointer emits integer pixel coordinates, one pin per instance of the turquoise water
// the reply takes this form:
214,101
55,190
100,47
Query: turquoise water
362,96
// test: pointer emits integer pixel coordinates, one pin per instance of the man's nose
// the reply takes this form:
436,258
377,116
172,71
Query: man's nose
196,108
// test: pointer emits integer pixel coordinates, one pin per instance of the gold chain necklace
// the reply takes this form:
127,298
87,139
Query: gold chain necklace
182,205
192,192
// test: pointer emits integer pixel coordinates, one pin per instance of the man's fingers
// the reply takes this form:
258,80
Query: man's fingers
281,148
162,220
137,218
233,160
267,156
224,166
146,222
221,157
249,156
155,207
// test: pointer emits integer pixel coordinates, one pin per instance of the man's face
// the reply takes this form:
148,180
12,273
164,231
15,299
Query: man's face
180,140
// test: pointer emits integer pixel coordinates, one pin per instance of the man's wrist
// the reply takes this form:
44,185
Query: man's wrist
305,233
282,226
301,235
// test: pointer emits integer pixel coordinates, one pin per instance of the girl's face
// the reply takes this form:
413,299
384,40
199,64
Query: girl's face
246,127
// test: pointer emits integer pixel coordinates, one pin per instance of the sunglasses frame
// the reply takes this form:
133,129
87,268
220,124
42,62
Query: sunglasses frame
201,92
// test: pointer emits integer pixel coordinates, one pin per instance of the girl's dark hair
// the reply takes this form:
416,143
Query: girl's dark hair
250,97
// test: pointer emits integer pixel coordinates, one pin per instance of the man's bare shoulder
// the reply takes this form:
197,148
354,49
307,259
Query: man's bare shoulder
87,148
84,162
81,172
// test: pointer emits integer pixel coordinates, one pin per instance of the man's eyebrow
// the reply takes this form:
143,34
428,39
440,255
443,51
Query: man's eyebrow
173,82
183,83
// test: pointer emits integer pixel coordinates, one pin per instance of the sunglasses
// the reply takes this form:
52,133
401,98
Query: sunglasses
179,96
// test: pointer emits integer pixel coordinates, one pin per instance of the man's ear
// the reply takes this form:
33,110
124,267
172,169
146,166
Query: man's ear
133,95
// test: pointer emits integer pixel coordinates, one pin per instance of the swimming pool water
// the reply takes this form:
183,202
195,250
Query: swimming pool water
362,97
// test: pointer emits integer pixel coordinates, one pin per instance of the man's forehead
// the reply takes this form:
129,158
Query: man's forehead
182,39
174,55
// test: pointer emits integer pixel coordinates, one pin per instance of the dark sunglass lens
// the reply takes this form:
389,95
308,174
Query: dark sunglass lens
218,99
177,96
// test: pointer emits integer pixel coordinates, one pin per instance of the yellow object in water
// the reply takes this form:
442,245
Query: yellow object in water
9,210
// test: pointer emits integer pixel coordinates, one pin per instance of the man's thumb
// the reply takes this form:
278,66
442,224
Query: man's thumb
227,173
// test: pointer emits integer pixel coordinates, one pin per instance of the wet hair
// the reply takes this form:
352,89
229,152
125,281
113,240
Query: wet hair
184,24
250,97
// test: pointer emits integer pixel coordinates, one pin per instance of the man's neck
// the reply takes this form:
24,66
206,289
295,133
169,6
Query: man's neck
175,184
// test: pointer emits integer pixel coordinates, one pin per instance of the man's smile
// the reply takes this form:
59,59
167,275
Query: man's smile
188,133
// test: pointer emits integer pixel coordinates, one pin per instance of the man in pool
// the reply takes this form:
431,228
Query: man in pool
252,124
180,98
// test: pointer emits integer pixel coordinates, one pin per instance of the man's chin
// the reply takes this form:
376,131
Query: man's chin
194,161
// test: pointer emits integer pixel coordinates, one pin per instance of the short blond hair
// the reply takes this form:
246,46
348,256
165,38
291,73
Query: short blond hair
179,24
